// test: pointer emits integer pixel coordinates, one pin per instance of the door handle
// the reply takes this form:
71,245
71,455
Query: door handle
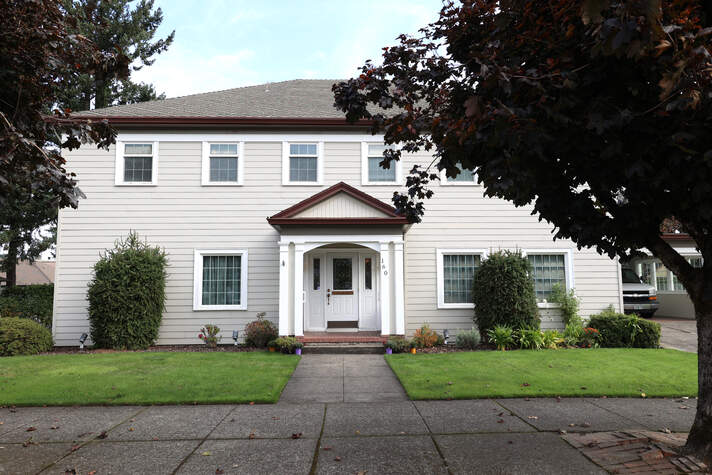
328,296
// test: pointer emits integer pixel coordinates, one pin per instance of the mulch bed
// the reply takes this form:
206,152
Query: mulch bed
156,349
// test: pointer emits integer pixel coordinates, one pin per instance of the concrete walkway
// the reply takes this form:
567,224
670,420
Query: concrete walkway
343,378
678,333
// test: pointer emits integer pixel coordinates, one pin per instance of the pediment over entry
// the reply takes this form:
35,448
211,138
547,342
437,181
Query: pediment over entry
339,204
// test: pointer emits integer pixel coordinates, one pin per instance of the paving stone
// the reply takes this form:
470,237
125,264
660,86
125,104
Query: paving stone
266,456
325,389
449,417
380,396
365,360
171,422
16,459
68,424
271,421
321,360
372,384
154,457
317,371
551,414
13,418
394,418
371,370
377,455
655,414
512,454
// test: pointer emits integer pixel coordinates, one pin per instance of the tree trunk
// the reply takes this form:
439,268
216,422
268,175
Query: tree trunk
10,264
699,442
100,85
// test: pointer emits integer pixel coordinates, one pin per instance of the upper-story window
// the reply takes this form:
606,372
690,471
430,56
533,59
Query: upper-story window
303,164
137,163
222,163
372,173
465,177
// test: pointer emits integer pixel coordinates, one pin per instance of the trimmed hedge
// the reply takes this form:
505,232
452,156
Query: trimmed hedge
503,293
28,301
22,336
619,330
127,295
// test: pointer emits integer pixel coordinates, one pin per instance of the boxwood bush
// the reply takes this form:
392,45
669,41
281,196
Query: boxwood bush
618,330
127,295
22,336
503,293
28,301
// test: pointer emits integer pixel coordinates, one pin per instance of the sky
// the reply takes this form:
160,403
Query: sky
221,44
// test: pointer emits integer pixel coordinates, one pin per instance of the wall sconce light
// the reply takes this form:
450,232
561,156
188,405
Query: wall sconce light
82,339
235,336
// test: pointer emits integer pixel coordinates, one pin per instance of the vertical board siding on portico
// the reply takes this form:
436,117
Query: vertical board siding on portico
181,215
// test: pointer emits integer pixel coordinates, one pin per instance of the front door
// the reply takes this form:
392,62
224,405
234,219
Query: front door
341,287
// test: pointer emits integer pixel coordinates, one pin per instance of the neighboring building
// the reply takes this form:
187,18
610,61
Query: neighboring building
265,199
38,272
672,297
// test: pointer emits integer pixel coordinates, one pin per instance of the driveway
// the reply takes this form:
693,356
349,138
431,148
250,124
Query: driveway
678,333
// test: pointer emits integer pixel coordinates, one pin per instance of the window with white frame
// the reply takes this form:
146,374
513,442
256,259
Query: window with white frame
455,272
465,177
220,280
136,163
302,164
548,269
222,163
676,284
371,170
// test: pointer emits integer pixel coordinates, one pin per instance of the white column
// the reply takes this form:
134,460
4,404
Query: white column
283,289
385,289
299,290
399,281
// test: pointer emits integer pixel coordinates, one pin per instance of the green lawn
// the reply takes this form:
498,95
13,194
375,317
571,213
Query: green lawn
144,378
565,372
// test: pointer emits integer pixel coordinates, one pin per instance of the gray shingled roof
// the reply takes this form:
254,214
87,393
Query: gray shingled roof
299,98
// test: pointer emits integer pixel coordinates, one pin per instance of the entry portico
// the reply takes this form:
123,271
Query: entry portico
341,264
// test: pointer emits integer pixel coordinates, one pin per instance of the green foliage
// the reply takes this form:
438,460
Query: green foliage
590,338
28,301
573,333
530,338
568,303
628,331
398,344
503,292
502,336
287,344
260,332
127,295
425,337
21,336
468,340
551,339
209,335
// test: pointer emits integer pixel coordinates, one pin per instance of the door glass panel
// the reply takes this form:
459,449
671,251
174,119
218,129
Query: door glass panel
317,274
342,274
368,279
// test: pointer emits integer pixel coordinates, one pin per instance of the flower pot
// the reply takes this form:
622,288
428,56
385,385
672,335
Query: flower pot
298,351
389,351
272,350
412,350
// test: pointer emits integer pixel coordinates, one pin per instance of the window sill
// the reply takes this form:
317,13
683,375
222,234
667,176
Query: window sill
450,183
381,183
548,305
135,184
202,308
451,306
222,184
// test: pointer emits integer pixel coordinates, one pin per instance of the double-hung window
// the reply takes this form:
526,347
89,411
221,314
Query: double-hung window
465,177
220,280
136,163
222,164
372,173
550,268
302,163
455,273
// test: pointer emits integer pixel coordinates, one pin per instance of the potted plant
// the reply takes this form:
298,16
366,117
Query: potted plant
209,335
272,346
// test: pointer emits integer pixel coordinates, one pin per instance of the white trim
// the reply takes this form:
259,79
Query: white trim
200,136
385,258
441,274
299,290
205,165
198,278
399,288
119,163
568,268
364,168
319,163
283,289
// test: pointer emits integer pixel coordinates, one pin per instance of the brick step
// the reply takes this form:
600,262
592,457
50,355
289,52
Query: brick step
343,348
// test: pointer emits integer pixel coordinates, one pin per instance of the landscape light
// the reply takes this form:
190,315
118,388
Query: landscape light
82,339
446,335
235,336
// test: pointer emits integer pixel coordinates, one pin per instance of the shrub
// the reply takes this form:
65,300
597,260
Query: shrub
502,336
628,331
127,295
530,338
590,337
568,303
21,336
287,344
260,332
209,335
468,340
551,339
28,301
398,344
503,293
573,334
425,337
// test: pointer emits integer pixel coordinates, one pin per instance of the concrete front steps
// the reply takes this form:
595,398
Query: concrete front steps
343,343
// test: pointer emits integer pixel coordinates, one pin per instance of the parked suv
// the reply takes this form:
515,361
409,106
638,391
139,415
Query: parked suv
638,297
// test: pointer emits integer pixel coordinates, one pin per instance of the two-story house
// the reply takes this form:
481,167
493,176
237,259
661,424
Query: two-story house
265,199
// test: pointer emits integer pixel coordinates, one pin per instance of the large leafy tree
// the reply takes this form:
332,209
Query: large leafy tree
596,112
38,54
123,25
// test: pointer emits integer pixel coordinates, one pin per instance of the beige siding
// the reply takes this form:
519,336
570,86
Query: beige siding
341,205
181,215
